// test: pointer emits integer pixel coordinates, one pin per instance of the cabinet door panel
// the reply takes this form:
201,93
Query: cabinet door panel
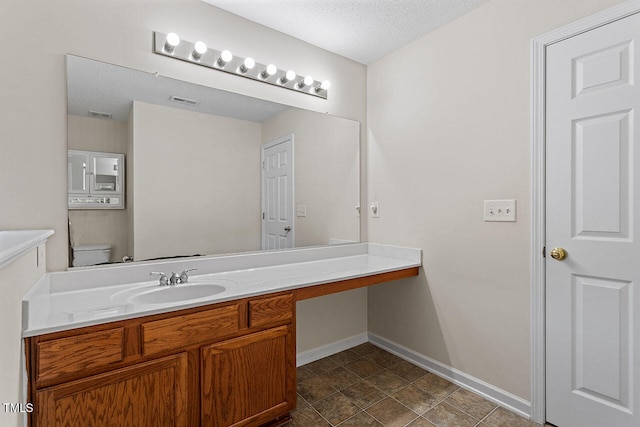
77,165
246,381
148,394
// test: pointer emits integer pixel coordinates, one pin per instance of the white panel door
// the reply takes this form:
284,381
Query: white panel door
593,189
277,194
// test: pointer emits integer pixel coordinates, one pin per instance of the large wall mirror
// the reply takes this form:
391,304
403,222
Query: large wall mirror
197,164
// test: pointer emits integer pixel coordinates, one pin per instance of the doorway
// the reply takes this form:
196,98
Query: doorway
278,228
574,207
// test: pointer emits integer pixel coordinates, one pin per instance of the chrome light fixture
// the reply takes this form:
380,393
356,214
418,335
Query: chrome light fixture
269,71
171,41
307,81
288,76
198,50
224,59
170,45
325,85
247,65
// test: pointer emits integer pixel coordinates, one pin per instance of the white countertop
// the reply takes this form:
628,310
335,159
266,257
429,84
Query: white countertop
67,300
14,243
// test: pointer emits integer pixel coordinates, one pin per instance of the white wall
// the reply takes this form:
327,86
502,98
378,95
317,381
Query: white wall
196,183
17,278
448,127
119,32
326,171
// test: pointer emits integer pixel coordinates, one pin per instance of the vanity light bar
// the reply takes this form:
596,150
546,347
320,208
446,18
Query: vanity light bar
198,53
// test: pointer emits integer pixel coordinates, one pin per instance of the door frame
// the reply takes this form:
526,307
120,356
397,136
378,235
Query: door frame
538,194
263,147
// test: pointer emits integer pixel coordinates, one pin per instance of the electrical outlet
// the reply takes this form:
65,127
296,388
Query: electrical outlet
500,210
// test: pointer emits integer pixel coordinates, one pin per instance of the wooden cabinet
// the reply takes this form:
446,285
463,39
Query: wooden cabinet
228,364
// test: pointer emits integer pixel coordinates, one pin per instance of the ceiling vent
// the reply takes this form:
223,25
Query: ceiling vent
185,101
100,115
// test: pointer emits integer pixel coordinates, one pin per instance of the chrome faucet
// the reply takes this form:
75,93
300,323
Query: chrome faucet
175,277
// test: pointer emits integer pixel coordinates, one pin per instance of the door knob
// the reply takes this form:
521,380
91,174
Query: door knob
558,253
287,229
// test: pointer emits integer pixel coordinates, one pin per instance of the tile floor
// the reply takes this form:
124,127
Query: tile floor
367,386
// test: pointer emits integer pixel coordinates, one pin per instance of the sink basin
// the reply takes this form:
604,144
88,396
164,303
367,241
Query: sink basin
171,294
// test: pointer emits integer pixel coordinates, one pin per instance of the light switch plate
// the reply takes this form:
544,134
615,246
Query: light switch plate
301,210
375,209
500,210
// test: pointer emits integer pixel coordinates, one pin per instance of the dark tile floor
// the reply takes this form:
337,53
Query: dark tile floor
367,386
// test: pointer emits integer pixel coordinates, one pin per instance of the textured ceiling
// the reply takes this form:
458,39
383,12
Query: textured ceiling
362,30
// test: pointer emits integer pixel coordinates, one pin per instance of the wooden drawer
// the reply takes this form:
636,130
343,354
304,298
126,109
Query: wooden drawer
190,329
270,311
63,357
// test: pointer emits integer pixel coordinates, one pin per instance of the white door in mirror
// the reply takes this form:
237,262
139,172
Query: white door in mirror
277,194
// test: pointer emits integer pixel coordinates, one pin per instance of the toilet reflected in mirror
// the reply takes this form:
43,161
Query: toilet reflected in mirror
86,255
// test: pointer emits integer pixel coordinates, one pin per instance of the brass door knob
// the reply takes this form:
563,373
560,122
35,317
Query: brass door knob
558,253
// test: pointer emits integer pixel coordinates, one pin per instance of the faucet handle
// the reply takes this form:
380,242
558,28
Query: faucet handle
164,281
184,277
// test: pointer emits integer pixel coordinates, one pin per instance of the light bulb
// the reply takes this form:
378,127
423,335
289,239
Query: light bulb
171,42
225,56
269,71
325,85
200,49
288,76
247,65
305,82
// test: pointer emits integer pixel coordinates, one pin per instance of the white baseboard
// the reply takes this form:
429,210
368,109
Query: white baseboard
318,353
503,398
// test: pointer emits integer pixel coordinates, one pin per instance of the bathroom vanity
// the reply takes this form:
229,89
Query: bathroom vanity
117,353
218,365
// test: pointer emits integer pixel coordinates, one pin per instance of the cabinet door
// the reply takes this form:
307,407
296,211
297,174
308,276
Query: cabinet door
250,380
148,394
77,171
106,170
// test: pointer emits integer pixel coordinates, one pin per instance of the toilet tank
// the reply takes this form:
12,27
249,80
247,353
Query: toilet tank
91,255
